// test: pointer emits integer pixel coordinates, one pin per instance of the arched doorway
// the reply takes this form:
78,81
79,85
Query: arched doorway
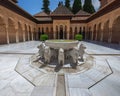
11,31
106,32
61,32
3,33
116,31
20,32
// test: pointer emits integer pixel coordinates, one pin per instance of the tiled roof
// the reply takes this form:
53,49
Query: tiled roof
81,12
61,10
41,14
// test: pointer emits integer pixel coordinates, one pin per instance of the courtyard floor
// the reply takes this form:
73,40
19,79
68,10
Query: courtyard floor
102,80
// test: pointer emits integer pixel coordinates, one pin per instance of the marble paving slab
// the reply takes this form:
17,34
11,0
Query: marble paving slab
79,92
13,84
78,81
43,91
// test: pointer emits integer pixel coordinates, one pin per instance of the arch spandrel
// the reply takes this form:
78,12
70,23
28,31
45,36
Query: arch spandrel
11,21
2,21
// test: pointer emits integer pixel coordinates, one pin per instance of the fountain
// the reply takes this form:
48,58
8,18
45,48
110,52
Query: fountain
62,60
60,53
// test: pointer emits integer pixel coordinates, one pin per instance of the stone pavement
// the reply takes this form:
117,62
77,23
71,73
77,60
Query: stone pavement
88,83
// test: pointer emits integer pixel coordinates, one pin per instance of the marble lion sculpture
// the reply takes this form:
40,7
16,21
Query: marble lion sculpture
47,54
74,54
81,51
61,57
41,48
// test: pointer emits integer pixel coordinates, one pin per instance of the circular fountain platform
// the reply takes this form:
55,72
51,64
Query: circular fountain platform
65,44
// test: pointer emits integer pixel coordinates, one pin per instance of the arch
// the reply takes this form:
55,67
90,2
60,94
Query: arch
116,31
71,33
39,33
61,32
89,34
75,31
51,33
30,33
47,31
80,31
42,30
99,33
11,31
3,33
83,33
57,32
26,33
94,32
20,32
106,31
65,33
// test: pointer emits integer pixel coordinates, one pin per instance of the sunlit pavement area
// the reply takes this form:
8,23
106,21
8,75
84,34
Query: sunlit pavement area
102,80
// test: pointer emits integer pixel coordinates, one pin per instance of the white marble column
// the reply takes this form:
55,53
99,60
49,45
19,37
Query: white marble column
92,35
17,34
32,35
68,32
24,35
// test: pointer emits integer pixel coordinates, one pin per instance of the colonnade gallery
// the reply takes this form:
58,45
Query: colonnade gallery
16,25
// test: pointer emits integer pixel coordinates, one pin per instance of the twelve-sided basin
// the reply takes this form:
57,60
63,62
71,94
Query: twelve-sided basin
65,44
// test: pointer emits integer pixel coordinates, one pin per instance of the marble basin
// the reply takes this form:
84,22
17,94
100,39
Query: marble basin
65,44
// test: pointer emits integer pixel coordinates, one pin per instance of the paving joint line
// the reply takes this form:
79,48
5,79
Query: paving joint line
22,75
18,53
105,54
104,77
